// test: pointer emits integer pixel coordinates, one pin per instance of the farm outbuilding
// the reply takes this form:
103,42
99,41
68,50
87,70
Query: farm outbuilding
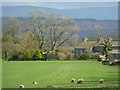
94,46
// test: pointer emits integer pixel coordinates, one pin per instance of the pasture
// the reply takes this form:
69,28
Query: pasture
49,74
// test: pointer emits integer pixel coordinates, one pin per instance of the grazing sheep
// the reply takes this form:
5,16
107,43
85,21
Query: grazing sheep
34,82
110,63
80,81
21,86
101,80
73,80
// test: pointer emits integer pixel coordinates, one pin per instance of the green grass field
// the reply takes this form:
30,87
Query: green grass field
58,74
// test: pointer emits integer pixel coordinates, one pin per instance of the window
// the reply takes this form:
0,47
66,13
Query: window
76,52
82,51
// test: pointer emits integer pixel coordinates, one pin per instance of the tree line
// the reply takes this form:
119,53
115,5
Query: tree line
40,31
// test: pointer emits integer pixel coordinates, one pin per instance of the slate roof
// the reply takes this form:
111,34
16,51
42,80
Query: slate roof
91,43
87,44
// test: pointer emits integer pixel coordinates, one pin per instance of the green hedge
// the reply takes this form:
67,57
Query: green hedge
83,57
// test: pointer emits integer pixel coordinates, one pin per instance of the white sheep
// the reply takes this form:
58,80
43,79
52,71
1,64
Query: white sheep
101,80
22,86
80,81
73,80
110,63
34,82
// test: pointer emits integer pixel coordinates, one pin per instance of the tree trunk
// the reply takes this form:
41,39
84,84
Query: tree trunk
5,55
41,45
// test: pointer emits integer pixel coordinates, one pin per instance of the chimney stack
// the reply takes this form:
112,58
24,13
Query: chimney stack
101,40
109,39
85,39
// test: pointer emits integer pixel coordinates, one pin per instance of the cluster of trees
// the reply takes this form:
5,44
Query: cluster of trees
26,55
40,31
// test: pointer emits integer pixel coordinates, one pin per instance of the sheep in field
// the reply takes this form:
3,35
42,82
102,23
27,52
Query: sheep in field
80,81
21,86
34,82
73,80
101,80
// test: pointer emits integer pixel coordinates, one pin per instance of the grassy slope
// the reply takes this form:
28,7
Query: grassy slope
58,73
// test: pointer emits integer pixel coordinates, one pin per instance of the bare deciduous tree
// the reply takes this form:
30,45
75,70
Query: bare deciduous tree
11,27
50,29
36,23
98,30
28,42
60,31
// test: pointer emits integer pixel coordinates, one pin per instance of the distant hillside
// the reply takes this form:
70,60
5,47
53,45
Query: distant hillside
99,13
110,28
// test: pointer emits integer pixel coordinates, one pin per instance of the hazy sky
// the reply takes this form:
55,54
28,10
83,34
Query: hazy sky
62,5
59,0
